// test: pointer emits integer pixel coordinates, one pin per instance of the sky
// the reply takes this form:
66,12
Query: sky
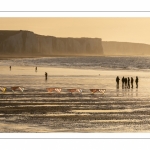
121,29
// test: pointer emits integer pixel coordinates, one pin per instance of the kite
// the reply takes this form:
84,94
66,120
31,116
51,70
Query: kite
3,89
17,88
75,90
102,91
94,90
54,89
58,90
98,90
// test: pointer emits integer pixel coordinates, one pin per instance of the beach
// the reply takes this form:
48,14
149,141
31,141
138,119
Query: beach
36,110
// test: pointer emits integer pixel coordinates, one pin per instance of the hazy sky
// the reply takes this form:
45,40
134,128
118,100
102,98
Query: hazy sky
109,29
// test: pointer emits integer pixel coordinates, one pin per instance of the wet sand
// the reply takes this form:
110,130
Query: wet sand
36,110
73,113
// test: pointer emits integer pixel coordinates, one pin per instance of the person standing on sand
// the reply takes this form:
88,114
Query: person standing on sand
136,81
10,68
123,82
128,83
46,75
132,82
35,69
117,80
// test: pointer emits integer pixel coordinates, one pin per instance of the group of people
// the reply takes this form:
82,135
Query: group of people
126,82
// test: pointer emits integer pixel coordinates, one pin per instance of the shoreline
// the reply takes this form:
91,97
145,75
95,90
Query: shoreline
6,57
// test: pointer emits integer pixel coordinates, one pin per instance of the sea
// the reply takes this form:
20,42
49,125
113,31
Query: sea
88,62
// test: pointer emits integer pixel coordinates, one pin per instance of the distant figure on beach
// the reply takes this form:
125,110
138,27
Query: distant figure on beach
132,82
35,69
123,82
136,81
46,75
10,68
117,80
128,83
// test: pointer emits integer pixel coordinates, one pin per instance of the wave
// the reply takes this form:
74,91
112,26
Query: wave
91,62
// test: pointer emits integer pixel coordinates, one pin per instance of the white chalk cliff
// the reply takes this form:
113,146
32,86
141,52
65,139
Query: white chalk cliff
26,42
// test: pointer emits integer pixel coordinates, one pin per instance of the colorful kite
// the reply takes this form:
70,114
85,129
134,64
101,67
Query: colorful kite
75,90
17,88
54,89
102,91
98,90
94,90
3,89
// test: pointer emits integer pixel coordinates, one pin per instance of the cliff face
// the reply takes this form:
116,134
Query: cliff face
26,42
125,48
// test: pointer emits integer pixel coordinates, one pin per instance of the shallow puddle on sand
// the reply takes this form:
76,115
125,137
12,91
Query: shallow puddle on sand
43,115
119,121
109,111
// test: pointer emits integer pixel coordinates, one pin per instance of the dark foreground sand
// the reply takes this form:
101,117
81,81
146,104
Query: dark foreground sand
43,112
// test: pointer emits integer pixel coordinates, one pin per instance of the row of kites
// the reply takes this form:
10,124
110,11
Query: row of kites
50,90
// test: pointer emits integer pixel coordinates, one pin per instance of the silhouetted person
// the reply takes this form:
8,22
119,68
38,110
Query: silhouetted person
128,83
117,80
46,75
123,82
10,68
35,69
132,82
136,81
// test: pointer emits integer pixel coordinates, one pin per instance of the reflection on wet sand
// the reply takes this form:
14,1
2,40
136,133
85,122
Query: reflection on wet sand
109,111
55,113
36,110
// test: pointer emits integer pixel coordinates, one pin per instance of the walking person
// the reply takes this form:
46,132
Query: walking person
10,68
128,83
132,82
123,82
117,80
136,81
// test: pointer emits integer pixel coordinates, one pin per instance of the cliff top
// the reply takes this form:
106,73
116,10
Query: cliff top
4,34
